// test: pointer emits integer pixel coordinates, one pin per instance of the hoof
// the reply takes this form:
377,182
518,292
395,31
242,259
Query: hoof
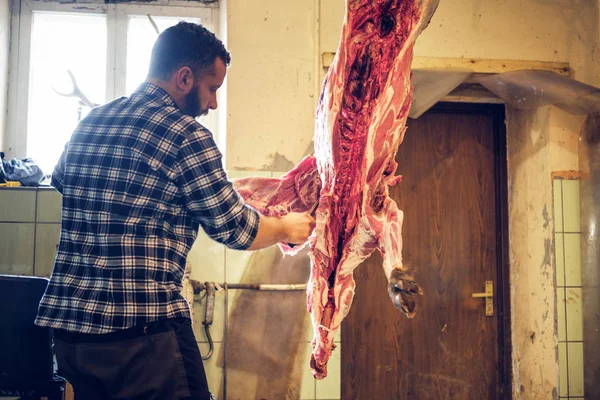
403,289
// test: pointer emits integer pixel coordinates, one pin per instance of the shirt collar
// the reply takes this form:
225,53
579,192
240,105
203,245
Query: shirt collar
150,89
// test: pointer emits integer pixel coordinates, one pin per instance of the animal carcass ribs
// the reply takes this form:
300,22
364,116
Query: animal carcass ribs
360,123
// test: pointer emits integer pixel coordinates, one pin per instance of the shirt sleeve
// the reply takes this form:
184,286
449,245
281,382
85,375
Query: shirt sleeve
59,171
210,197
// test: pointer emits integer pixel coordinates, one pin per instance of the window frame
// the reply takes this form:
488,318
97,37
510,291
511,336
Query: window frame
116,22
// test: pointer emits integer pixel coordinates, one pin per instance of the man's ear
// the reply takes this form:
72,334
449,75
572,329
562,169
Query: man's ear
184,80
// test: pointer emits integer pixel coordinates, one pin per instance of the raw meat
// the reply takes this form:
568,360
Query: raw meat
360,123
296,191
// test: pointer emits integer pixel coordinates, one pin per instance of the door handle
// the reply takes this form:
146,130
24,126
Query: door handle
489,298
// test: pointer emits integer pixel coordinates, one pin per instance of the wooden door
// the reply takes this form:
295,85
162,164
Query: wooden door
454,234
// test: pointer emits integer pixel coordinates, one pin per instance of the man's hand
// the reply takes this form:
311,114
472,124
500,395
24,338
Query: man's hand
294,228
298,227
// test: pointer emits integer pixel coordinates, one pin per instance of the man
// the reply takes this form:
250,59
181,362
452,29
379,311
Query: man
137,177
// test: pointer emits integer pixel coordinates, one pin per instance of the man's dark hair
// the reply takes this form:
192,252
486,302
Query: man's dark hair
185,44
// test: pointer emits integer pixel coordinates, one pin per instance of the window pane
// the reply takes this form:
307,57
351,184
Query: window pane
141,36
61,42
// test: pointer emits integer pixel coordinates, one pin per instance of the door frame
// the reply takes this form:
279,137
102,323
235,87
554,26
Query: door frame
502,287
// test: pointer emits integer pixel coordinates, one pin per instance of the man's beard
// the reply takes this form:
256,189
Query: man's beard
192,103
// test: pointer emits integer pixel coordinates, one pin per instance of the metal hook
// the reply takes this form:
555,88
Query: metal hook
209,313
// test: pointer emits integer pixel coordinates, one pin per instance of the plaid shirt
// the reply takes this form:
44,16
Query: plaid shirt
137,178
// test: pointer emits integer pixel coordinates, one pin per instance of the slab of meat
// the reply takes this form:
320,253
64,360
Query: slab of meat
360,123
296,191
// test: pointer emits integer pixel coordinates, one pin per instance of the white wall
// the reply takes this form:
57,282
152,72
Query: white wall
545,30
271,82
276,56
4,46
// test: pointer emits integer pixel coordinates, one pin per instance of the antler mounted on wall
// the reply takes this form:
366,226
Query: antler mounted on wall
76,92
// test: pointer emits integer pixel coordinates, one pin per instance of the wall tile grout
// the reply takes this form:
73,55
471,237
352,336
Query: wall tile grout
567,342
562,212
35,216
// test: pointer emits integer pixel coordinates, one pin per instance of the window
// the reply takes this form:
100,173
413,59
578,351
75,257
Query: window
104,47
50,117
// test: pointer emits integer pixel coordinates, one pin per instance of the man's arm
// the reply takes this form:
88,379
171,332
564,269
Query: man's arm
59,171
221,211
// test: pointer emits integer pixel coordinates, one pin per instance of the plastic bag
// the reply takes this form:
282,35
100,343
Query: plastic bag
25,171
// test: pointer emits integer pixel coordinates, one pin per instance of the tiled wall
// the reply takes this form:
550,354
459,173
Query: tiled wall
29,234
29,230
568,279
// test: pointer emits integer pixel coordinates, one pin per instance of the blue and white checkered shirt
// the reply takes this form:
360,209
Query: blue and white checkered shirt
137,178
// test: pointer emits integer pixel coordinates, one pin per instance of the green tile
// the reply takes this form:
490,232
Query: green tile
16,249
308,332
574,315
575,354
17,205
49,206
558,214
235,264
234,174
279,174
207,259
338,336
214,370
562,316
573,259
47,237
559,253
250,263
563,387
207,262
571,206
330,387
307,387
